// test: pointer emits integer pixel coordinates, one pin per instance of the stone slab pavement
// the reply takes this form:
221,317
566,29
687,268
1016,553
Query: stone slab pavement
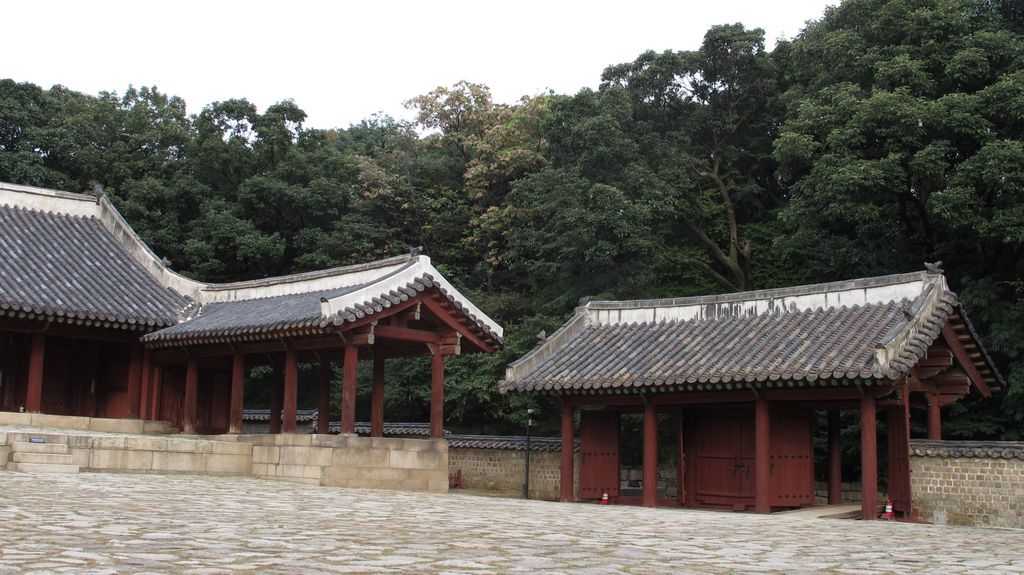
95,523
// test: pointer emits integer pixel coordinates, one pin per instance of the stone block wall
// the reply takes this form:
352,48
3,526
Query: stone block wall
350,461
968,482
502,470
631,481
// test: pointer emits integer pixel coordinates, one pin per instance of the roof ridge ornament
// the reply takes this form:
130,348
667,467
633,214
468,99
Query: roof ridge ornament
934,268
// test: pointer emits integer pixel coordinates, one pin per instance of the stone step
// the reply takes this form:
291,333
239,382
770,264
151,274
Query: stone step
26,436
42,468
52,458
29,447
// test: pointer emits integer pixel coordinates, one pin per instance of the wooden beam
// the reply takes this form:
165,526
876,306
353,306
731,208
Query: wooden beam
407,334
237,393
377,398
437,395
762,456
291,390
965,362
191,396
835,458
348,389
650,461
868,459
566,490
71,331
446,317
34,392
323,416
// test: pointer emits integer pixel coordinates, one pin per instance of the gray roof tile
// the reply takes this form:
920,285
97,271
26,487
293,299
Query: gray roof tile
62,266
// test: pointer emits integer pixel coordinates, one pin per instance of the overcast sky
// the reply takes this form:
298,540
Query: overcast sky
343,61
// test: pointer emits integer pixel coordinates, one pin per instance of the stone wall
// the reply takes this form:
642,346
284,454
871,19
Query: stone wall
502,470
631,481
77,423
138,454
968,482
351,461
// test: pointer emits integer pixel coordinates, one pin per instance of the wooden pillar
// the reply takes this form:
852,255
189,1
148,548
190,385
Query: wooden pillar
237,392
437,394
762,456
34,394
291,389
934,417
565,482
146,385
868,459
650,471
348,389
134,381
835,458
158,384
276,397
191,396
323,411
681,462
377,398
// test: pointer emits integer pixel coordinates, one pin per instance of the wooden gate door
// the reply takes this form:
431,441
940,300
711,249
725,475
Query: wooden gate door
792,457
599,454
899,460
722,473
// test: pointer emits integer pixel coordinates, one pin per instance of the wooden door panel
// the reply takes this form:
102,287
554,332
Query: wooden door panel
722,455
792,457
599,454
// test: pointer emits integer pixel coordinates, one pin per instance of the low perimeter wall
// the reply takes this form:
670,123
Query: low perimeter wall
350,461
502,470
968,482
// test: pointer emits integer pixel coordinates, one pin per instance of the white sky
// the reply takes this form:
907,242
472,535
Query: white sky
343,61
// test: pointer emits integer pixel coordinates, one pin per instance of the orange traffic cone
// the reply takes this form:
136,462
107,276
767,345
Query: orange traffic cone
604,498
888,511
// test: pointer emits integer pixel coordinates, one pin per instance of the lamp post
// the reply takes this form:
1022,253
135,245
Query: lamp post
526,481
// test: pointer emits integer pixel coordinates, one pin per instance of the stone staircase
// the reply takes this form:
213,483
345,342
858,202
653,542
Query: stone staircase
47,456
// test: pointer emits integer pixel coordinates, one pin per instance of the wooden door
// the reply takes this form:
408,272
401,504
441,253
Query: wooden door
599,454
792,457
899,460
721,474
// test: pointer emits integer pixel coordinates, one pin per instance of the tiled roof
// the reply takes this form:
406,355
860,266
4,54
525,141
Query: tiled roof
301,415
311,312
71,268
873,328
507,442
391,428
72,257
980,449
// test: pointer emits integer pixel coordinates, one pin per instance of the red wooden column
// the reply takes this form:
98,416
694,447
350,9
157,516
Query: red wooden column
835,459
762,455
437,394
237,392
146,385
868,459
191,396
934,417
377,398
565,481
134,381
34,394
348,389
898,451
291,389
276,391
158,378
323,411
650,491
681,462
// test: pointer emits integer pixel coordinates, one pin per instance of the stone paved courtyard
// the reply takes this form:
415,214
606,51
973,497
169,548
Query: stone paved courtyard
103,523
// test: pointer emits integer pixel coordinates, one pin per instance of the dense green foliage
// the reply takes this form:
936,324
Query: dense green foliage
887,134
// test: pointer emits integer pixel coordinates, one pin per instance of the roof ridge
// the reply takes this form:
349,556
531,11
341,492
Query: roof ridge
808,289
301,276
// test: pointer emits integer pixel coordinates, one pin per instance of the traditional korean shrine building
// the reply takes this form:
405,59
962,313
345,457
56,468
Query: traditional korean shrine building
743,375
92,323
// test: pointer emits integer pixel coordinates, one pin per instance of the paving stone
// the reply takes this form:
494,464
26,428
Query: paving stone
114,523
